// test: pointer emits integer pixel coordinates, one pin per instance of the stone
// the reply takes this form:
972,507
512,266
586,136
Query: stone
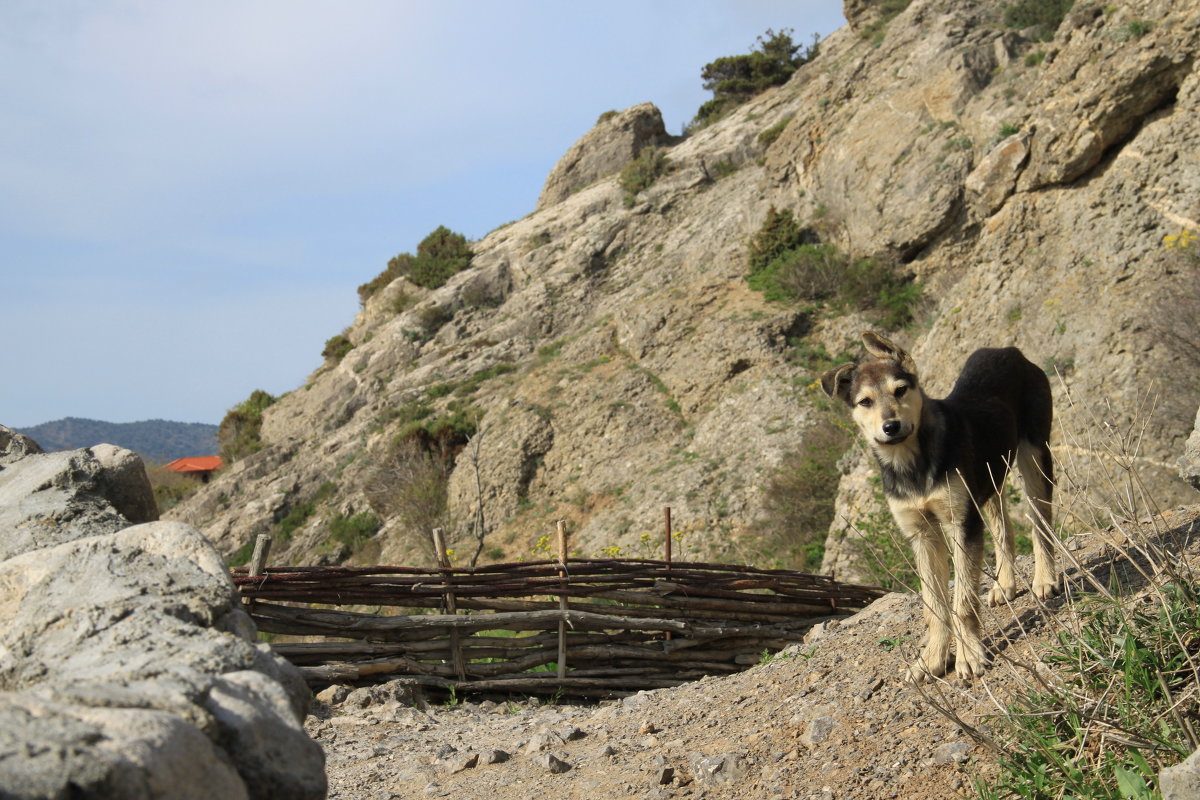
952,753
720,769
459,762
494,756
1189,462
334,695
551,763
125,484
995,177
1181,781
128,665
819,730
544,740
15,446
616,140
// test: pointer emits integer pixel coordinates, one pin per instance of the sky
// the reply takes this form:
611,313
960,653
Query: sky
191,191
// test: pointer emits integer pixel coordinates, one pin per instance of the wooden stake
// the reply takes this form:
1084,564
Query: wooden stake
667,542
443,557
258,561
562,600
667,546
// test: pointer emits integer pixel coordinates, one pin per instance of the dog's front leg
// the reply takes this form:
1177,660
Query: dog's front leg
933,568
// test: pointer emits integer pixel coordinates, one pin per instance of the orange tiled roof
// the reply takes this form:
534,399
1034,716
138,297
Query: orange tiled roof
196,464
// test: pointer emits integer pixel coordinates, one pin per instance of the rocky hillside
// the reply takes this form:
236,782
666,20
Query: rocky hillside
604,357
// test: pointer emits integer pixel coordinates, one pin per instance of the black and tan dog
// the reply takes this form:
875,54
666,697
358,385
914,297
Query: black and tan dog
942,463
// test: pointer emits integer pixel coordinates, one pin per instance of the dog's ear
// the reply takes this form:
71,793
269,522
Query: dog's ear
881,348
836,382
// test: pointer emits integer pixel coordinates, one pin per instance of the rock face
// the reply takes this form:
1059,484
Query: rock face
1189,462
127,667
615,141
618,363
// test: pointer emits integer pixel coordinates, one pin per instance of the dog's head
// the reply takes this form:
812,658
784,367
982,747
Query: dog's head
883,394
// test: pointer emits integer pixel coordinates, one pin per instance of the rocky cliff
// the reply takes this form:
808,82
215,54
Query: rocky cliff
128,668
609,358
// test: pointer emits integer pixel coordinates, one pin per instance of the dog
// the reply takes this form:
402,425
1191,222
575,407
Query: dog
943,463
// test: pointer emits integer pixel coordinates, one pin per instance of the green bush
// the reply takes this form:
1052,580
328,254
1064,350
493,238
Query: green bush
779,233
789,264
440,255
735,79
1118,704
1042,15
355,530
768,136
239,433
798,500
888,10
807,273
336,347
641,173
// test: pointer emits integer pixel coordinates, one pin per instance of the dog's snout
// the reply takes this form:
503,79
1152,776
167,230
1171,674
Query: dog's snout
891,427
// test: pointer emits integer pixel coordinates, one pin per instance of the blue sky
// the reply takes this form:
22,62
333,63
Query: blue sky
190,192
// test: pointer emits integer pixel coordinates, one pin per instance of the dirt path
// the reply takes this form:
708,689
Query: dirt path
827,719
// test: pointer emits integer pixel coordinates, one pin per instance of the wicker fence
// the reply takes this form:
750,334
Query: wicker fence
587,627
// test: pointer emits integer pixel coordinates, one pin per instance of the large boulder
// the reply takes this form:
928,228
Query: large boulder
616,139
128,668
1189,462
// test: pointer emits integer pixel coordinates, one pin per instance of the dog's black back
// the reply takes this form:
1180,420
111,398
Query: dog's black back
999,399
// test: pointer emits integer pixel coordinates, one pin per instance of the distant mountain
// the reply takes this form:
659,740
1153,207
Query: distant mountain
155,439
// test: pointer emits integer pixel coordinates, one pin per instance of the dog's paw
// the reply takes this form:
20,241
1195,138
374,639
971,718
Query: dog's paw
925,669
1000,594
972,664
1044,589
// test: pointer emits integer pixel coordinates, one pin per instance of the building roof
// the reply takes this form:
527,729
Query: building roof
196,464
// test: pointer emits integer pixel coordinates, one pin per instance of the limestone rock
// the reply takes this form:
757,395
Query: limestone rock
125,483
615,141
995,177
14,446
128,665
1181,781
1189,462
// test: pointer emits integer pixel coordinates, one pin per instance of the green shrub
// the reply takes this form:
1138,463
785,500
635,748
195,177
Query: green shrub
789,264
239,433
336,347
641,173
809,272
1044,16
772,133
888,10
1118,704
440,255
779,233
408,483
735,79
355,530
798,499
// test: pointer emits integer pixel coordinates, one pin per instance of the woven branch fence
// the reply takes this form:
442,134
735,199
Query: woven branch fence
585,627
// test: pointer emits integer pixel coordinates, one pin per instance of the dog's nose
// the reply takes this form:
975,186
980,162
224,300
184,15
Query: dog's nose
891,427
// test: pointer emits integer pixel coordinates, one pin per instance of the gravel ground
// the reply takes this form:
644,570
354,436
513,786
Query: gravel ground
830,718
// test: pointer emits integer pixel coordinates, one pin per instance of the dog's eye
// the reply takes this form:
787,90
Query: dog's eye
865,402
900,390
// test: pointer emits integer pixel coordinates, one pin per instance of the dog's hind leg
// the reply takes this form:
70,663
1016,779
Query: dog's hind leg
1037,474
967,540
933,569
1004,588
